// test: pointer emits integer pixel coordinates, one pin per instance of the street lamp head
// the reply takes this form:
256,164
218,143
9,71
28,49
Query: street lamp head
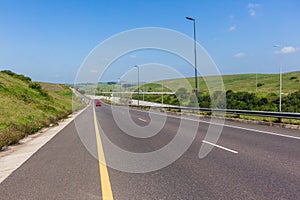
189,18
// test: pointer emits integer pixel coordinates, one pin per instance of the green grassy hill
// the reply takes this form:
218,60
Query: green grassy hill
267,83
27,106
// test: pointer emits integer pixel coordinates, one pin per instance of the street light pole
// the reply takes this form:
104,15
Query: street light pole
280,97
256,82
195,54
143,92
162,94
280,80
120,88
138,84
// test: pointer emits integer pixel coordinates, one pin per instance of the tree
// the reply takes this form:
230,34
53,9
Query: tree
182,93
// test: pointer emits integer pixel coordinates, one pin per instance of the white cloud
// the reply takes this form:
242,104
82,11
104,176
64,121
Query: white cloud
253,5
287,50
231,17
132,56
252,12
252,8
232,28
239,55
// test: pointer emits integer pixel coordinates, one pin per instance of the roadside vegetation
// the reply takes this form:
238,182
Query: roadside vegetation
234,100
243,91
27,106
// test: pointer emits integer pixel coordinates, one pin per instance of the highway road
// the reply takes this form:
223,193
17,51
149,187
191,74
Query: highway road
250,162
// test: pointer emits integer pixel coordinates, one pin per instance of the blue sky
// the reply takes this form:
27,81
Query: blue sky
48,40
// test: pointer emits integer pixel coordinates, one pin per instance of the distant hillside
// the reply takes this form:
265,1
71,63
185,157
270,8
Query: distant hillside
27,106
266,83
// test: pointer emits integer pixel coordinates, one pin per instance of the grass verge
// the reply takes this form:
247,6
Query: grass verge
28,106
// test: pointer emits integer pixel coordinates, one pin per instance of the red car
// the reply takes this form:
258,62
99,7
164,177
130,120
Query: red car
98,103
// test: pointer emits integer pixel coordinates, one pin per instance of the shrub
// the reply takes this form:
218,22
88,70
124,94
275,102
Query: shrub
293,77
182,93
259,84
36,86
18,76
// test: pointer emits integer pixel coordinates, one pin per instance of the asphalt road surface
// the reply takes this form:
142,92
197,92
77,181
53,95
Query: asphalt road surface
250,162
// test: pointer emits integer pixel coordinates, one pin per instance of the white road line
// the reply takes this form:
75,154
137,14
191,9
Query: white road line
230,126
246,129
224,148
142,120
260,131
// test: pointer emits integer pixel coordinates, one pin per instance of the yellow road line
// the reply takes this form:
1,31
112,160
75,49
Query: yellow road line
104,178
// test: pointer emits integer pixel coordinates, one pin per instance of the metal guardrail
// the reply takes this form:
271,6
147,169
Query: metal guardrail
138,93
288,115
279,115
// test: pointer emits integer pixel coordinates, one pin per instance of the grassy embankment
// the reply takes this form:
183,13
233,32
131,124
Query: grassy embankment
28,106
